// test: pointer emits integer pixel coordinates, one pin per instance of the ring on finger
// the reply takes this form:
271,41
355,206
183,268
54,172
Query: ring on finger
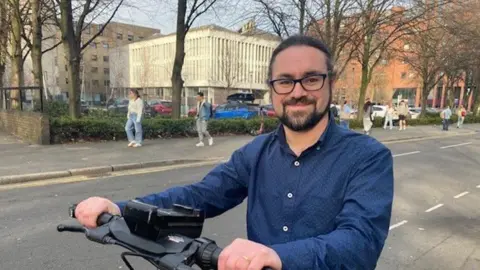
246,258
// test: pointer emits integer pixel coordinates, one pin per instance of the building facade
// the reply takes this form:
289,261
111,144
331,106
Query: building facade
218,62
95,65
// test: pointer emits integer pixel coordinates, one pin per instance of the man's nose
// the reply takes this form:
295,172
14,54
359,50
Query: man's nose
298,90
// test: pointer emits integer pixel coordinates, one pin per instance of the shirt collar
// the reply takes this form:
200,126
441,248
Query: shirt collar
329,130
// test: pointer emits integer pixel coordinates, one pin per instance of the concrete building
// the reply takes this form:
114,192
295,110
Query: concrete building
218,62
96,64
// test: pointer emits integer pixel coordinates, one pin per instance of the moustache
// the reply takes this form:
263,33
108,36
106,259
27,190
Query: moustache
302,100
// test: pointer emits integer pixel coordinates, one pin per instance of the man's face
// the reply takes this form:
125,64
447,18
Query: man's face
301,110
199,98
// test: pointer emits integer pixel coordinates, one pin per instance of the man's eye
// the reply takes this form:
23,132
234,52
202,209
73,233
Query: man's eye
284,82
312,80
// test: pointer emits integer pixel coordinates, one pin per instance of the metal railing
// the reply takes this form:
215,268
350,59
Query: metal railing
29,98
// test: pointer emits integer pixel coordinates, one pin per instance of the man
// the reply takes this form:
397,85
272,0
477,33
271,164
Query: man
319,196
402,114
445,115
203,115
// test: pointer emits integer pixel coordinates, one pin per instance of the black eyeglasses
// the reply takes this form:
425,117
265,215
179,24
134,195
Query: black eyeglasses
309,83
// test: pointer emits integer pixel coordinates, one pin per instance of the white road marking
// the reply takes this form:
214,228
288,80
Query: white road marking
478,186
406,154
397,224
433,208
455,145
460,195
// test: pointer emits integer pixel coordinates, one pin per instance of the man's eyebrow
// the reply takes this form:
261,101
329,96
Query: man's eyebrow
306,74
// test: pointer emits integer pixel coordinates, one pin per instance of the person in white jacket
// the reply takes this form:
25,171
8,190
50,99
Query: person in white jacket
134,116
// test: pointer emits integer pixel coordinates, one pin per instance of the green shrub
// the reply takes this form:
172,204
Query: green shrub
94,128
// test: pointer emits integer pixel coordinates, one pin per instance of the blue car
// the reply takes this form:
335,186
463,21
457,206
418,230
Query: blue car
236,110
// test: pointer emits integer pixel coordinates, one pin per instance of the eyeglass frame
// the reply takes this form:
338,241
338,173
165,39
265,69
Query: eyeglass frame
295,81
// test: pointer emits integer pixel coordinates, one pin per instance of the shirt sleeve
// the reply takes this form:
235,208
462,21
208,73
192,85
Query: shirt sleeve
140,109
220,190
361,226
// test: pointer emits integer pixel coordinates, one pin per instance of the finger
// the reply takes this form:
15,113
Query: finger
223,257
257,263
232,262
242,263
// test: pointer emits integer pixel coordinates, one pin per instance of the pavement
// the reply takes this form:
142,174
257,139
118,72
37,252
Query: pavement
435,222
22,162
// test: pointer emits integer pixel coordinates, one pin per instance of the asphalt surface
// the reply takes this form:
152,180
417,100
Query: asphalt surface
435,224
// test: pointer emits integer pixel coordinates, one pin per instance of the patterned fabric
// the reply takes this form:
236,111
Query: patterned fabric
329,208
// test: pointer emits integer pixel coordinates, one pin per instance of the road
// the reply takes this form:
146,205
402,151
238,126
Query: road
435,224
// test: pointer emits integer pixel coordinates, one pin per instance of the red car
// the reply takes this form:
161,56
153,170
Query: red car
163,107
269,110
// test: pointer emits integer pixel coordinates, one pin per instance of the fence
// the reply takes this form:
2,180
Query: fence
30,98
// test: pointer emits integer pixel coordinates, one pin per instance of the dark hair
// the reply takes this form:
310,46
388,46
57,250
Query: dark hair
200,94
135,92
301,40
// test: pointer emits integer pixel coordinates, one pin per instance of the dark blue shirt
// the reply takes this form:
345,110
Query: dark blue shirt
329,208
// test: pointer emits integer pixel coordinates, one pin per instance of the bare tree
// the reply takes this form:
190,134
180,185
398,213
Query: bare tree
186,16
4,33
382,25
229,67
71,28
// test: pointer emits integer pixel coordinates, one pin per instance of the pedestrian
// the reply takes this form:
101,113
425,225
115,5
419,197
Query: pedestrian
445,115
319,196
389,116
402,114
367,116
461,113
345,112
134,119
204,113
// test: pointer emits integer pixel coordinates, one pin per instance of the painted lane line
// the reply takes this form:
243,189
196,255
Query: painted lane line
460,195
406,154
397,225
478,186
433,208
455,145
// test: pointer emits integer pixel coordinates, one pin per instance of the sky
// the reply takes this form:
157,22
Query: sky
161,14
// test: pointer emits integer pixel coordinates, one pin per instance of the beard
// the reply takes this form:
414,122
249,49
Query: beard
303,121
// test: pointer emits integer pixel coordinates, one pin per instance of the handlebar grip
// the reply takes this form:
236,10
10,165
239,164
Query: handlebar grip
104,218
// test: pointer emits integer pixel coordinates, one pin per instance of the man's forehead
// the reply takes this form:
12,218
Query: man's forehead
300,59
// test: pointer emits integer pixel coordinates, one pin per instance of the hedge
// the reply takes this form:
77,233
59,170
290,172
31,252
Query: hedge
64,129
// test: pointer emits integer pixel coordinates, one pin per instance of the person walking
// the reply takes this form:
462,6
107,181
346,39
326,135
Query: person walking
134,119
204,112
389,116
445,115
367,116
402,114
345,113
461,113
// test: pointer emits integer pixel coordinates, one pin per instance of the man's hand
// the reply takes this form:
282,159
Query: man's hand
88,210
243,254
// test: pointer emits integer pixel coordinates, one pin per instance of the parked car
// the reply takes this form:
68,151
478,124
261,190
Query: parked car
270,112
120,106
163,107
237,110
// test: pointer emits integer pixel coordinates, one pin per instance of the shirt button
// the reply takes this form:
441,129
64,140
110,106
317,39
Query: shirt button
285,228
296,163
290,195
318,147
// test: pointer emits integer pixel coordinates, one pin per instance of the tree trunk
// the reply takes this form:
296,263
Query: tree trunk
71,50
425,92
37,47
302,17
363,91
17,77
177,80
